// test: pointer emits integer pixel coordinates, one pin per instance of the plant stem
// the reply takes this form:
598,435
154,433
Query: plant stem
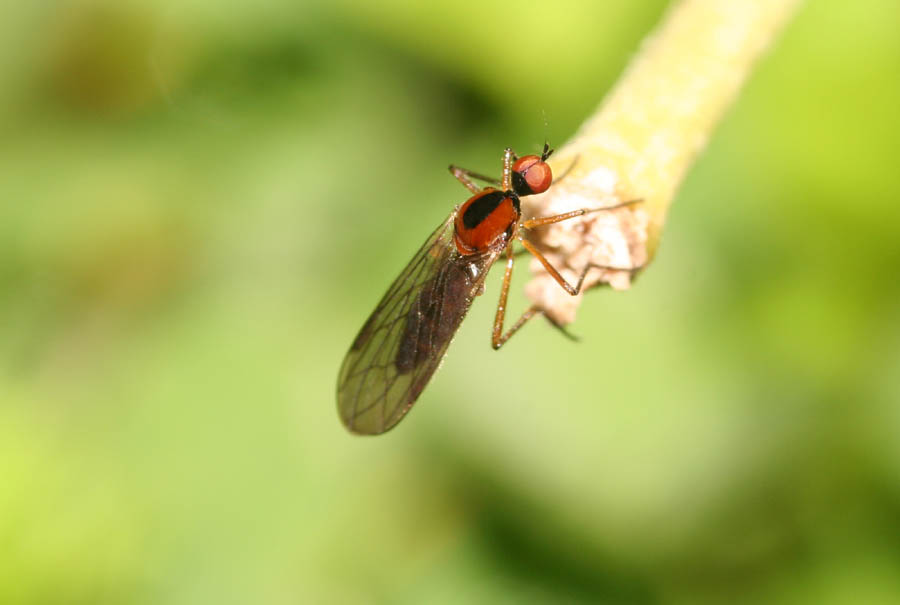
644,137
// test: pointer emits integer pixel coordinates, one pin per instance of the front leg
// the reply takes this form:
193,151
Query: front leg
465,177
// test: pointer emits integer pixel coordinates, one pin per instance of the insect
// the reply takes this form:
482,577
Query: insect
402,343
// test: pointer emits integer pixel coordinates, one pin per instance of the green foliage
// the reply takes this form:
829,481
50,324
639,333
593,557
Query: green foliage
200,205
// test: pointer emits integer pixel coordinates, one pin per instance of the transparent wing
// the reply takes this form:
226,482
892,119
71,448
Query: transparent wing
403,341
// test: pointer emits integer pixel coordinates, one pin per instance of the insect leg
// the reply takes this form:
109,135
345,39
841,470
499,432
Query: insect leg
530,312
498,336
556,218
465,177
509,156
497,339
573,290
590,266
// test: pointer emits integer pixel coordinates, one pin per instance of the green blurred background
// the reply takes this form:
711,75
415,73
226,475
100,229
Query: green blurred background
200,203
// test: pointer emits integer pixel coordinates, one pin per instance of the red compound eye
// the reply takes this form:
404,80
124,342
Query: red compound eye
531,175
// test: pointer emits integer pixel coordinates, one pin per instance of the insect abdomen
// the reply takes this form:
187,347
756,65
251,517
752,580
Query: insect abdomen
435,315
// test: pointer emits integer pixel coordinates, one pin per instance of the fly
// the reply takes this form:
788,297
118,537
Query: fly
402,343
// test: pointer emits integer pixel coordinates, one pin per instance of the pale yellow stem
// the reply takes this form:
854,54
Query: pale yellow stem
645,135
